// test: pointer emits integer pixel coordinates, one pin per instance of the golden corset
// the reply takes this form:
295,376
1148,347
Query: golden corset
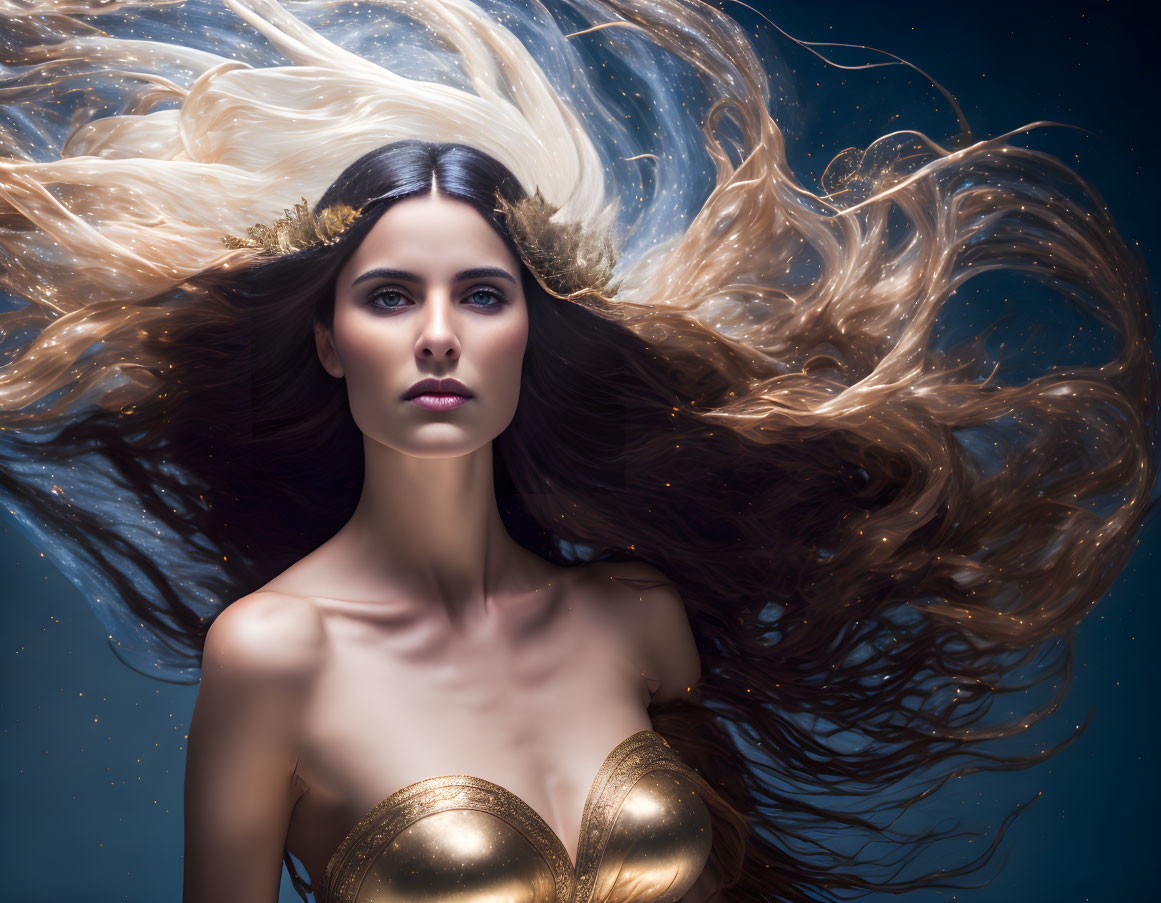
645,837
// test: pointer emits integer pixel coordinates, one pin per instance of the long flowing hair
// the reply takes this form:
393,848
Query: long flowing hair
882,545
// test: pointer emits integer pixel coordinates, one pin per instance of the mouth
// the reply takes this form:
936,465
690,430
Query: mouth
436,402
438,394
437,387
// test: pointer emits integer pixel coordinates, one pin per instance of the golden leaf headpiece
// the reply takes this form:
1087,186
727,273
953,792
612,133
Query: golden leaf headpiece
298,229
568,261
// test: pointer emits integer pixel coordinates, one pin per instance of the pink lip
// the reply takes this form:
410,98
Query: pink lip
430,386
438,402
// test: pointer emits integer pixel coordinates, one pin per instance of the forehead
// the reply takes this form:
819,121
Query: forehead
434,234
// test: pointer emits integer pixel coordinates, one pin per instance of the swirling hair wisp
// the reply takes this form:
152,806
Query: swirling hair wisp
883,545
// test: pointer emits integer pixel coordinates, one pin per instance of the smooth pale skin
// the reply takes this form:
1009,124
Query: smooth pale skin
420,640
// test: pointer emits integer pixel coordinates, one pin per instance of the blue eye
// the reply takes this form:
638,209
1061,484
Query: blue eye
394,299
492,298
385,296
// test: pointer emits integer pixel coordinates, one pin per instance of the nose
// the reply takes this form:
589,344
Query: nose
437,337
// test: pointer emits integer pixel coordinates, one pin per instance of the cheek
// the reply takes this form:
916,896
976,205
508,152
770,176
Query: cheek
505,355
369,351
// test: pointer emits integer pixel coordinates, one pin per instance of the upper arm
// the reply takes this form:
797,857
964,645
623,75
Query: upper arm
257,663
661,628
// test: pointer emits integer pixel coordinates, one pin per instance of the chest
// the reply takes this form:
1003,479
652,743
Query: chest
644,837
533,709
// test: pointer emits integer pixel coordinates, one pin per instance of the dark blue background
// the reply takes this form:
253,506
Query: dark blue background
91,754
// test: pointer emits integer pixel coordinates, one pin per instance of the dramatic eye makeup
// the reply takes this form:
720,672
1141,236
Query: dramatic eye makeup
486,297
394,297
389,298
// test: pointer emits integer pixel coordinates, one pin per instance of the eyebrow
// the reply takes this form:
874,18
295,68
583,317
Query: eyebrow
405,276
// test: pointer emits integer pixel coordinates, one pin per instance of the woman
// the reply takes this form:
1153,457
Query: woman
755,415
421,615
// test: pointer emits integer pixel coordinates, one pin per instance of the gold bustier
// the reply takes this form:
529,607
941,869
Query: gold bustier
645,837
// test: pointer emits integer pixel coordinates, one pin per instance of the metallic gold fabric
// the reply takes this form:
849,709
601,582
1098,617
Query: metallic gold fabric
645,837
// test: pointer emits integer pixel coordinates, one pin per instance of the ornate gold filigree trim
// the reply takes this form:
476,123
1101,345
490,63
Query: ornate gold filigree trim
638,754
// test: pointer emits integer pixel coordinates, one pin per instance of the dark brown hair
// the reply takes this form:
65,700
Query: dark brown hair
863,588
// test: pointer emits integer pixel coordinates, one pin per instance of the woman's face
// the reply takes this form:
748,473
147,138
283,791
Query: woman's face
431,293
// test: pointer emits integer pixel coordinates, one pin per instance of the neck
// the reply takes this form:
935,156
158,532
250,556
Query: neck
430,527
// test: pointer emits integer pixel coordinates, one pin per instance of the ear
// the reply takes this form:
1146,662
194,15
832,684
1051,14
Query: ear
324,343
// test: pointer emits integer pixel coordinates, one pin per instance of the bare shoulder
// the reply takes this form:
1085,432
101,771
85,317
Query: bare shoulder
639,589
245,741
265,634
633,574
653,612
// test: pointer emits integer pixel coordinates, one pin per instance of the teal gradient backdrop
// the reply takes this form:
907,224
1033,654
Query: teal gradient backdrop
91,753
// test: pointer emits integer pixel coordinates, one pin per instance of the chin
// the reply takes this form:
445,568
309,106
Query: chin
454,443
